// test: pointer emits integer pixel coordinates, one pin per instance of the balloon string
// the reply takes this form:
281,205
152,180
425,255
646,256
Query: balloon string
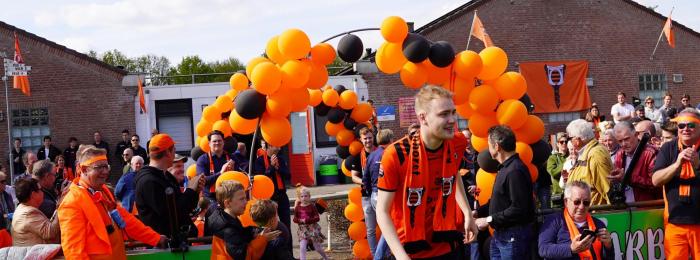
251,163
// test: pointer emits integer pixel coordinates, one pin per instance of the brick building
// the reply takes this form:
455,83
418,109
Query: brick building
616,37
72,95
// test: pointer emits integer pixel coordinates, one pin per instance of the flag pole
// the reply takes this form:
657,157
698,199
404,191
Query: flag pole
469,37
9,136
661,35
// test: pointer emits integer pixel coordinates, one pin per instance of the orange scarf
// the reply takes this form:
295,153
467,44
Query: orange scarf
573,232
687,172
417,184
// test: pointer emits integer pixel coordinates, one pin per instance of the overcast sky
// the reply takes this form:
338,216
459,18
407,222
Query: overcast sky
218,29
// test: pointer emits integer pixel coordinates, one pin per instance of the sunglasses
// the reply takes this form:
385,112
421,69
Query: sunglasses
683,125
586,203
562,141
134,140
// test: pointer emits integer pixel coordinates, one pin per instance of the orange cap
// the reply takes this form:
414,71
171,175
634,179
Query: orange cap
160,142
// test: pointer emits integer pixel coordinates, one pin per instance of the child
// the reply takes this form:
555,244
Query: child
231,240
306,215
201,211
264,214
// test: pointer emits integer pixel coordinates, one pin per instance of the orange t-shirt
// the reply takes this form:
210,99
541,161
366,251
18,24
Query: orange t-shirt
393,178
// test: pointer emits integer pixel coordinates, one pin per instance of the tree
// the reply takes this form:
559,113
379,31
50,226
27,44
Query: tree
228,66
117,58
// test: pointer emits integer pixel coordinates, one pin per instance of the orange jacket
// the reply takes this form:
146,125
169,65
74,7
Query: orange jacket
83,232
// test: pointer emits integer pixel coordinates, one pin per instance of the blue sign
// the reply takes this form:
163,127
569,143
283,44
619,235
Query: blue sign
386,113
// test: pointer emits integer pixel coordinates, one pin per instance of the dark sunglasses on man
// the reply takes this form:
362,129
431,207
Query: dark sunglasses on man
683,125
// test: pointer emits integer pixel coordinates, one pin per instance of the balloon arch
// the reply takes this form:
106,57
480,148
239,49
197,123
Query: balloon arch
293,76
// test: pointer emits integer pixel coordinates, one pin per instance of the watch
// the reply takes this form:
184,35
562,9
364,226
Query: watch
489,219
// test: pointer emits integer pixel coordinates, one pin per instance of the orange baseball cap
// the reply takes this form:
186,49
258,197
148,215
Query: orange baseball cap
160,142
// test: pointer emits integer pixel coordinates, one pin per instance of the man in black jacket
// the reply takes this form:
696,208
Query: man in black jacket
151,183
48,151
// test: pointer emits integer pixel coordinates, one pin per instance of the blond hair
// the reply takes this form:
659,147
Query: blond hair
301,189
226,190
263,211
428,93
87,151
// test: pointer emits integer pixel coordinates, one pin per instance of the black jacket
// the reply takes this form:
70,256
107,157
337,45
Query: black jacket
151,183
53,152
230,229
69,154
511,201
278,249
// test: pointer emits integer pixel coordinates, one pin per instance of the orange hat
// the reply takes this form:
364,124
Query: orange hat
160,142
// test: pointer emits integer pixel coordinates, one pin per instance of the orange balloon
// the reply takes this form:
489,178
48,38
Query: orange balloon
348,99
318,76
355,195
246,219
315,97
204,145
204,127
512,113
353,212
357,231
467,64
361,249
333,129
295,74
224,103
534,172
462,89
345,170
275,130
345,137
524,152
278,105
253,63
330,97
510,85
323,54
362,112
484,99
495,63
465,110
233,176
294,44
241,125
389,58
479,124
263,188
356,147
437,76
484,182
211,113
266,78
238,81
413,75
232,93
273,52
223,126
394,29
532,131
479,143
301,99
192,171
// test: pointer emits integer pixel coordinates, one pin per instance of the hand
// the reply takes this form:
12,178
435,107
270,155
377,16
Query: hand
274,161
163,242
616,175
194,183
471,190
604,237
688,154
270,235
470,230
579,245
228,166
481,223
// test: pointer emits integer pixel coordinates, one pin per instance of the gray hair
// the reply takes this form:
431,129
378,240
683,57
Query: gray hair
580,128
136,158
691,110
579,184
42,168
624,125
609,132
129,150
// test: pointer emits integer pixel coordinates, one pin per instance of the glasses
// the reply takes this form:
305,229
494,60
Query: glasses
104,167
586,203
126,154
134,140
683,125
649,102
562,141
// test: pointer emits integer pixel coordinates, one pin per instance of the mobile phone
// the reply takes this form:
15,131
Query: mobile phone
587,232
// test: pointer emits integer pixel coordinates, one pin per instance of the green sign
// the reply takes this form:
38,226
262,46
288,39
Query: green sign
636,234
195,252
328,169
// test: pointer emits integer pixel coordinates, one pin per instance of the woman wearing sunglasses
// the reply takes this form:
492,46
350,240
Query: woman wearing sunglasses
574,233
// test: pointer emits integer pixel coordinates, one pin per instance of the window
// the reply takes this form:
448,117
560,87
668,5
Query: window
653,85
31,125
322,138
564,117
175,118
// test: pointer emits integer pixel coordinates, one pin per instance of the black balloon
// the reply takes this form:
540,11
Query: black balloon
349,123
342,151
441,54
486,162
350,48
339,88
528,103
336,115
322,109
416,48
250,104
196,152
540,152
230,144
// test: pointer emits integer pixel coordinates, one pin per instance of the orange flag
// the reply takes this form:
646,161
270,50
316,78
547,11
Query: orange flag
668,31
142,100
20,82
479,31
557,86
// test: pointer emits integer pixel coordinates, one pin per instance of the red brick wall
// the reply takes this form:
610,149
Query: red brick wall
81,95
615,36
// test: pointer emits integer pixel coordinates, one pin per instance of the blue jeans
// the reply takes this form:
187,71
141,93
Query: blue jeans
369,205
544,195
512,243
382,250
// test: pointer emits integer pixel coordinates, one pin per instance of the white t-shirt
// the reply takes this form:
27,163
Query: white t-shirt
621,110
